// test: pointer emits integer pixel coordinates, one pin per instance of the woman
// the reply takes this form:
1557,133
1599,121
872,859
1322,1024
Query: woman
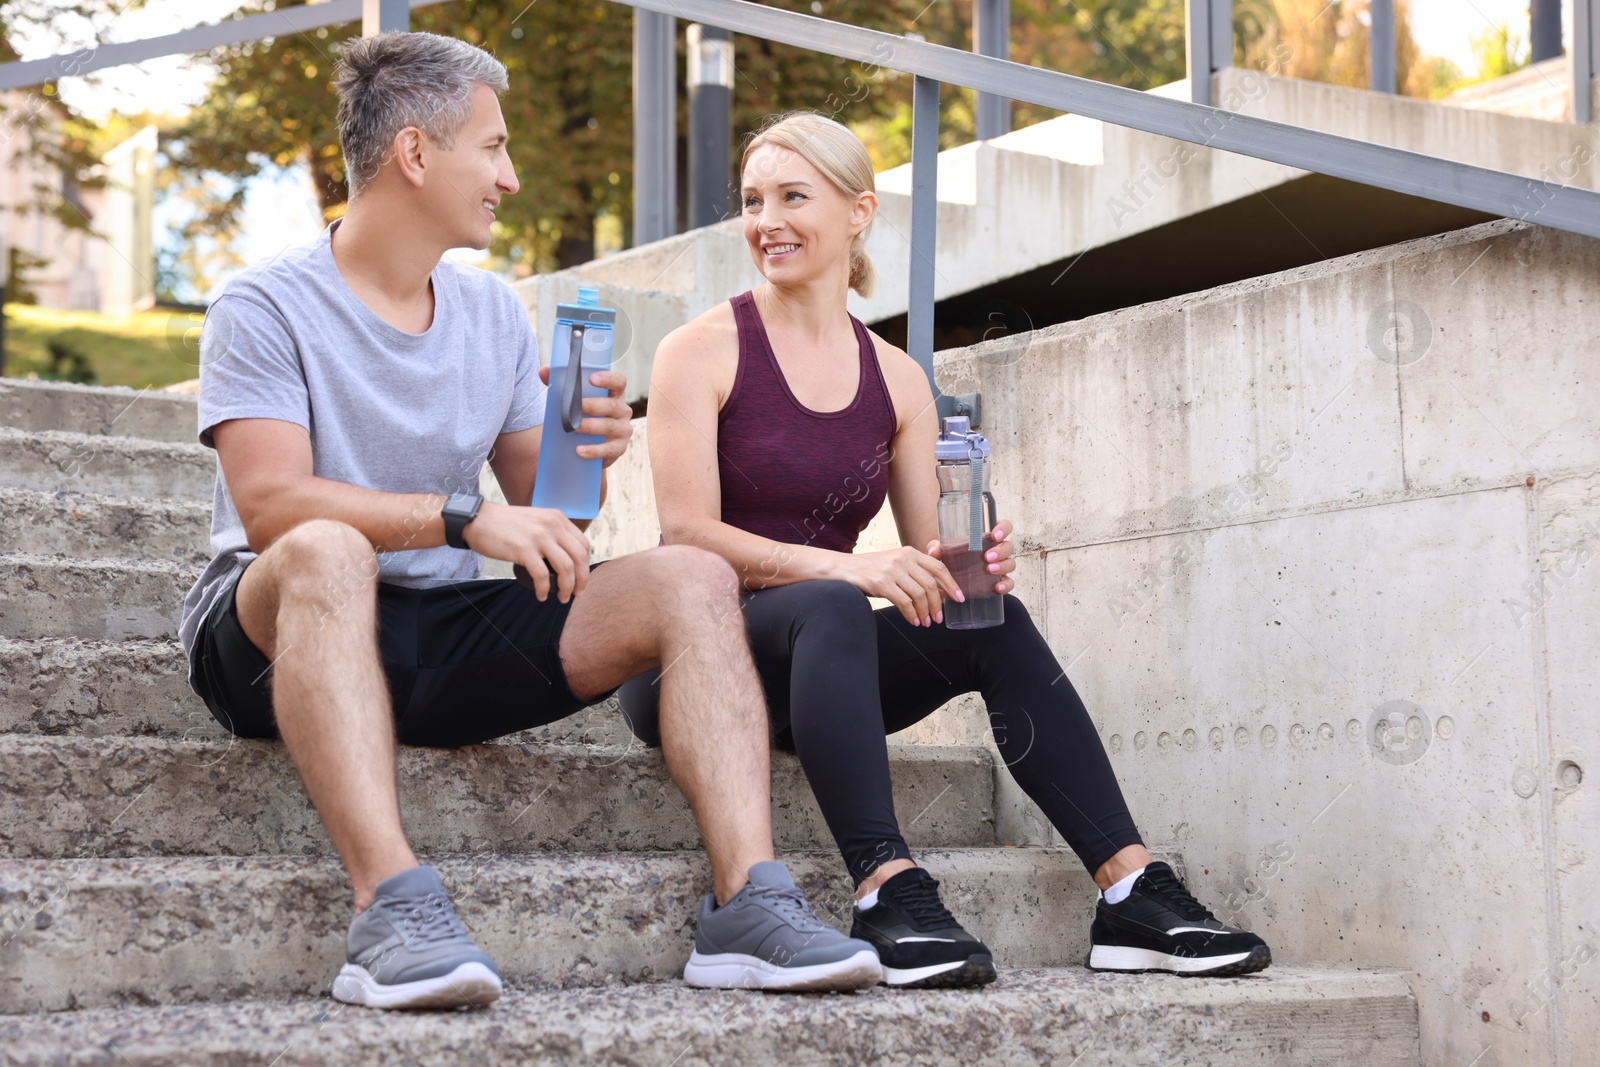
778,425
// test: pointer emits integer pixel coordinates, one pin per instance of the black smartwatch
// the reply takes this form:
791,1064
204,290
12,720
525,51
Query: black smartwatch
459,510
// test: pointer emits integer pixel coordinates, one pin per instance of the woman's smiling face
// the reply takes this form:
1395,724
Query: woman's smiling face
797,223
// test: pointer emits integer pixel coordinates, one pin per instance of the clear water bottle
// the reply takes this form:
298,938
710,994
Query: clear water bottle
966,525
582,345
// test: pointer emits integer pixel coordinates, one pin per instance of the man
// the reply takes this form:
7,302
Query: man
353,389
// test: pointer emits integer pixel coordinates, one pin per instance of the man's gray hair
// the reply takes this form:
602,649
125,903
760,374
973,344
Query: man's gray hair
393,80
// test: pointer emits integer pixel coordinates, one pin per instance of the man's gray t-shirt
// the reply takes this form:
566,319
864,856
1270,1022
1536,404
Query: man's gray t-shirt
385,409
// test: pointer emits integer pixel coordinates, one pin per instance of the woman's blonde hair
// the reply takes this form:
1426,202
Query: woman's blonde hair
843,160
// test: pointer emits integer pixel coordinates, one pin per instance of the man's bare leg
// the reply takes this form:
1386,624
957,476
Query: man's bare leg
678,608
309,602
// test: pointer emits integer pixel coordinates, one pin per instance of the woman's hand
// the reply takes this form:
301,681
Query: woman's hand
997,560
915,582
606,416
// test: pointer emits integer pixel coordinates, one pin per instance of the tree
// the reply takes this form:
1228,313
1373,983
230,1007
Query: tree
569,111
1329,41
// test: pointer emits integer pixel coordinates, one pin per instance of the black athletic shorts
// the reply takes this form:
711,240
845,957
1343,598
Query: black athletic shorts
466,662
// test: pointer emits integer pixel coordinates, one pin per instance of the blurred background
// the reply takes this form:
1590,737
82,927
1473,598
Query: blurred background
133,194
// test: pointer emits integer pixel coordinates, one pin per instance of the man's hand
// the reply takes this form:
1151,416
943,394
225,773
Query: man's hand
997,560
605,416
542,540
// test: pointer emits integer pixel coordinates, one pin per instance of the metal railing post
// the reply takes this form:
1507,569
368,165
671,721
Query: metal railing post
991,36
1380,37
655,127
1209,31
709,55
1221,35
924,239
385,16
924,222
1197,38
1544,29
1585,57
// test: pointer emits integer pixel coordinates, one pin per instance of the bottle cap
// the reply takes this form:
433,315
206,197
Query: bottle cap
959,441
587,297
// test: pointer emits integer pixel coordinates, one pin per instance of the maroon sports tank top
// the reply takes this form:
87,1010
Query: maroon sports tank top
795,475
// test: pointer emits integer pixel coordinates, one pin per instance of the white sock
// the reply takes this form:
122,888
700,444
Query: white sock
1119,892
868,901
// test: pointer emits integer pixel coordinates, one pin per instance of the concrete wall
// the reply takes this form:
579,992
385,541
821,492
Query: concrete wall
1537,91
1261,519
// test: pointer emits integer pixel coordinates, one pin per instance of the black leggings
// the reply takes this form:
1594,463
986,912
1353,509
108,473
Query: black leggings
840,676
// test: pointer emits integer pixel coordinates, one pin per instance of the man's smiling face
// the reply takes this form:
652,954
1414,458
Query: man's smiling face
466,181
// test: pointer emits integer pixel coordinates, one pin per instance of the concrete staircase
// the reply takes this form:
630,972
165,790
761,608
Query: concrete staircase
168,896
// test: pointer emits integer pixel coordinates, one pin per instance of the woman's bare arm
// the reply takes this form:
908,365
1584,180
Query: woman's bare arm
693,371
913,486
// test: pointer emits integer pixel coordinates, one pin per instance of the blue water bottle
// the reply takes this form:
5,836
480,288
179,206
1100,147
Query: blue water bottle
582,345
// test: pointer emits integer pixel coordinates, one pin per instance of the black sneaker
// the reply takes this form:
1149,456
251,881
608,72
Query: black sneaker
1160,927
919,943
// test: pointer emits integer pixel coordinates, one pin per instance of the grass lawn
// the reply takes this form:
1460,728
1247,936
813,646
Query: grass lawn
154,348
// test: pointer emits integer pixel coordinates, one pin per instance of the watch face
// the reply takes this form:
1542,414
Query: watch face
464,504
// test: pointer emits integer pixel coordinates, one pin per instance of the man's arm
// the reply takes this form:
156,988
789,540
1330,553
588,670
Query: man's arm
267,464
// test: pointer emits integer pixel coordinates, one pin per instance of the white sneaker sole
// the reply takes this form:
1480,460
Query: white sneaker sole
468,984
1117,958
974,973
734,970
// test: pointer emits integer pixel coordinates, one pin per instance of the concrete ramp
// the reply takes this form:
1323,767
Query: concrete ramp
1072,216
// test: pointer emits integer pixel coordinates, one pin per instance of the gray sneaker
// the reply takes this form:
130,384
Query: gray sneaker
767,937
408,950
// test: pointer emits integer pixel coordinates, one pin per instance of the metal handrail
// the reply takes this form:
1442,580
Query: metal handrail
1395,169
280,23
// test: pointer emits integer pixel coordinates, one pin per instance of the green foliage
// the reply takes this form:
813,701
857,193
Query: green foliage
1136,43
1434,78
68,363
19,262
1328,41
135,350
1499,51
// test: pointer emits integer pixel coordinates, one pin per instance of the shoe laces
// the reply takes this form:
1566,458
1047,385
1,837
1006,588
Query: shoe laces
424,920
790,905
919,899
1172,891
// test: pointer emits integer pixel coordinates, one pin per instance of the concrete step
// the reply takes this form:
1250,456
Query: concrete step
55,461
64,686
1286,1016
143,796
85,525
93,599
58,685
98,933
153,414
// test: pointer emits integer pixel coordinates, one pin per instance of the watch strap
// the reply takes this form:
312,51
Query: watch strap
459,509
